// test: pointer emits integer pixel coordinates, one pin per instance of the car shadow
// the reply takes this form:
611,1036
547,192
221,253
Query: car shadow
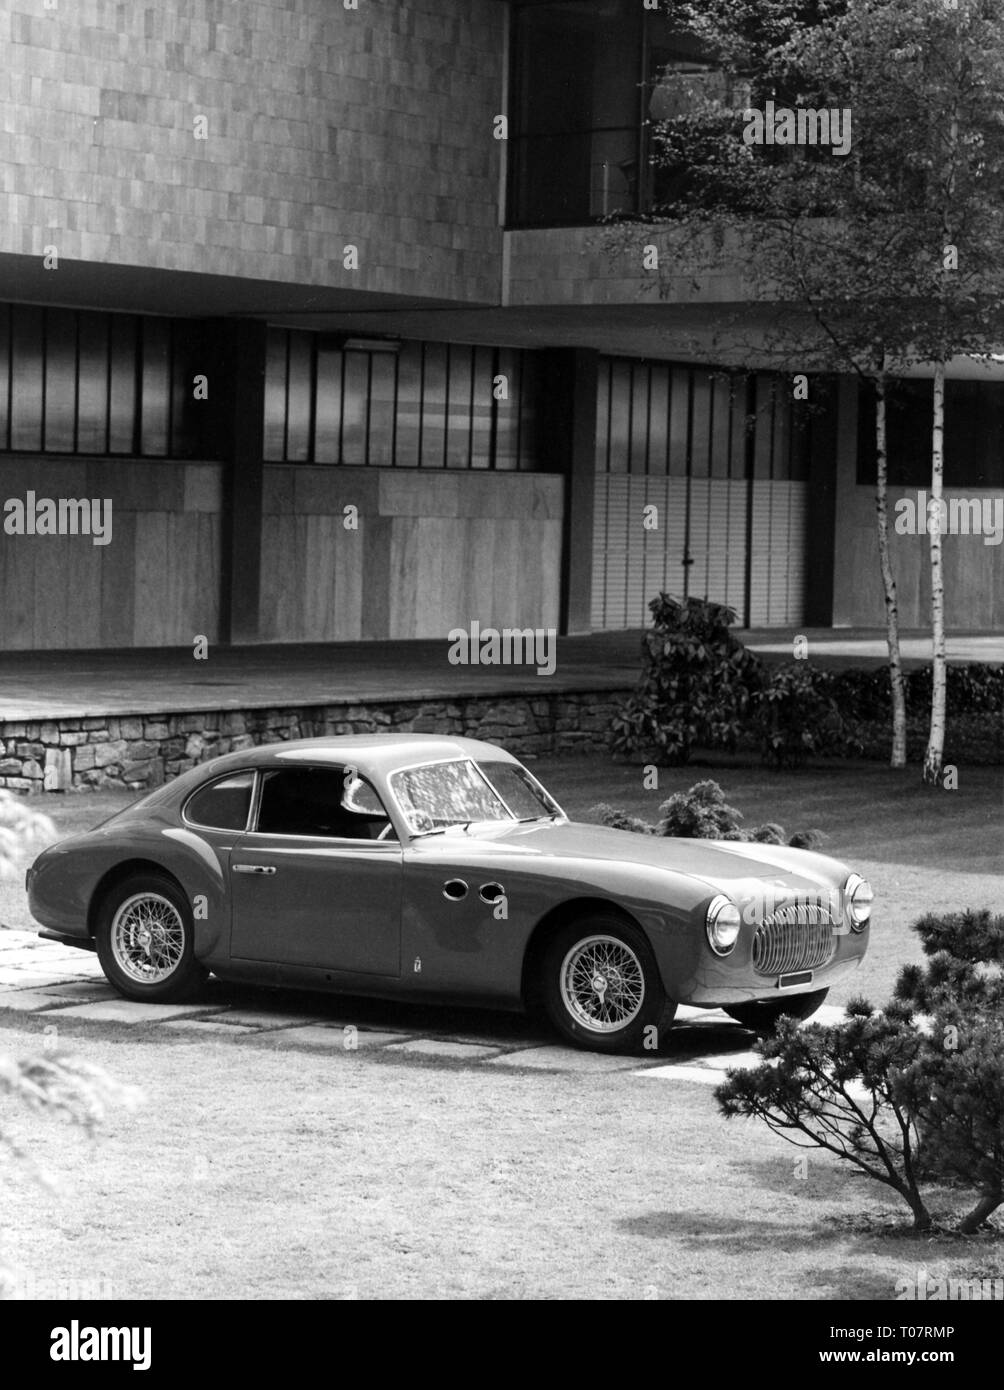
713,1039
487,1026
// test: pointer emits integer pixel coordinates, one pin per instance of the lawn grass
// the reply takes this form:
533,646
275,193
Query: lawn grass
254,1171
259,1173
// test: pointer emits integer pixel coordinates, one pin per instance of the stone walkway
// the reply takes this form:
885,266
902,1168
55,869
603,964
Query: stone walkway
54,984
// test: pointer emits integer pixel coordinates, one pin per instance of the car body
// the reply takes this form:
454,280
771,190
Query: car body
411,866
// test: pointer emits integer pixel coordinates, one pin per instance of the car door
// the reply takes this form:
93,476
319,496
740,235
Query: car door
311,885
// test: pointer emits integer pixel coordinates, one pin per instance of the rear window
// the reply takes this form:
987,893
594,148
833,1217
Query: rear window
224,804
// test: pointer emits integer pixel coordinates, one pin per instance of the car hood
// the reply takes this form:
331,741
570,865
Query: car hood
724,863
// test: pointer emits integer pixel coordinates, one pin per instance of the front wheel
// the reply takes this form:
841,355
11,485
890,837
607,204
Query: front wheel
763,1014
145,940
601,987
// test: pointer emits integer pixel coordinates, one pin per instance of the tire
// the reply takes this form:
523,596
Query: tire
762,1016
145,940
620,1016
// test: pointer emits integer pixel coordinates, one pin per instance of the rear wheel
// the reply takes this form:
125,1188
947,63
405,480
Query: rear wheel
145,943
601,986
763,1014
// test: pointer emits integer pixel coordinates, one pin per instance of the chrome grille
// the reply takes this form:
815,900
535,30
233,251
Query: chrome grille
797,937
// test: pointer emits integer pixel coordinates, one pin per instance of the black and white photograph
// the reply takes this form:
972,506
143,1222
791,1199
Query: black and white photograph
501,668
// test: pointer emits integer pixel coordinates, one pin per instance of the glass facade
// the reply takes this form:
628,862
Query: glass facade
974,434
663,419
77,382
404,405
588,83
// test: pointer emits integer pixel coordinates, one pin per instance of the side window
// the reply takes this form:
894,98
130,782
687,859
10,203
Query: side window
224,804
316,801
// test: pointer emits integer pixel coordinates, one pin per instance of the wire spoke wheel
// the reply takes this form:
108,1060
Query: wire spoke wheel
602,984
147,938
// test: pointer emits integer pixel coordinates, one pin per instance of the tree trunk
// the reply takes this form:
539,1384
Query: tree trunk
983,1209
934,757
898,758
922,1220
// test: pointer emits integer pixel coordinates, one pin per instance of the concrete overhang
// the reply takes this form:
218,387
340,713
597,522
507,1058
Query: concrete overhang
183,293
725,334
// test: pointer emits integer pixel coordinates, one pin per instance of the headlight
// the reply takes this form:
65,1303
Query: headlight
722,924
859,897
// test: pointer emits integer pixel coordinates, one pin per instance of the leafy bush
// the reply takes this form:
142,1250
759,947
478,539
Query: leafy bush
702,814
700,687
863,692
907,1100
696,684
795,715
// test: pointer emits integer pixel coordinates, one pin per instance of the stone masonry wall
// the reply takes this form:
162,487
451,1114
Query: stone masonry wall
141,751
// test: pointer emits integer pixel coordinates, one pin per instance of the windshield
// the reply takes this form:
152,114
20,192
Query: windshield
440,795
523,794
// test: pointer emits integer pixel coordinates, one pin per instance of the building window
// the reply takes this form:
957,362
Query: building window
974,434
400,405
75,382
663,419
588,84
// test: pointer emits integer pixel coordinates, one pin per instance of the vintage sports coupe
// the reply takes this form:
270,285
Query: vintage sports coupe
414,866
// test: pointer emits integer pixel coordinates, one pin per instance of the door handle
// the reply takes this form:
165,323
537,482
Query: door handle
253,869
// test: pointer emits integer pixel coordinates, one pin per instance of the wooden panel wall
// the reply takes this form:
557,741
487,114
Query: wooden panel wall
433,551
156,583
974,571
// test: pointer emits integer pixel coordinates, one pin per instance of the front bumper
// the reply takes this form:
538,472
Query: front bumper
717,994
699,977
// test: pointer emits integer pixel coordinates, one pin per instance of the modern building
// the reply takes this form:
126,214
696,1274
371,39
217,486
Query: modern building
316,294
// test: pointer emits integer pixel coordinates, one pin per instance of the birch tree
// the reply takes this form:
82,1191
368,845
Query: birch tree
850,250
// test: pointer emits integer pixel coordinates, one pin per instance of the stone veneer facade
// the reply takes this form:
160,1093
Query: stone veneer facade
141,751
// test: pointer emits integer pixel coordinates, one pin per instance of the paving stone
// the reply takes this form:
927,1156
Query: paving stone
435,1047
704,1076
709,1070
25,979
564,1059
129,1011
27,1001
207,1025
335,1038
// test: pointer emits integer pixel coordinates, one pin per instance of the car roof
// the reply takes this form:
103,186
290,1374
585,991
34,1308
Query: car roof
377,755
379,752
